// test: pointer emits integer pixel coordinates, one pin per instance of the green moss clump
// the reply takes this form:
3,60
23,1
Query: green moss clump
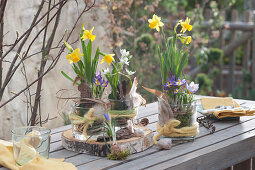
121,156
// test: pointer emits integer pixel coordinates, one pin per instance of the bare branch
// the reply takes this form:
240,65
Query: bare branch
9,73
30,28
46,51
54,62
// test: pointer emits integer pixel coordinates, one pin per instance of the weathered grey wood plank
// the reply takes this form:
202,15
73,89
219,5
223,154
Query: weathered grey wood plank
188,147
217,156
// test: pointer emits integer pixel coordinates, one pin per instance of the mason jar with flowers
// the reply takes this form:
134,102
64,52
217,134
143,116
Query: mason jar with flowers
177,109
123,98
87,114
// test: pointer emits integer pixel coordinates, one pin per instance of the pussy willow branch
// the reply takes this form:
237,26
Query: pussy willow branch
55,60
30,28
46,51
10,75
2,9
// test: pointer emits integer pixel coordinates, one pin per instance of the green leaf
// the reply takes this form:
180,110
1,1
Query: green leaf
81,68
183,63
69,78
88,61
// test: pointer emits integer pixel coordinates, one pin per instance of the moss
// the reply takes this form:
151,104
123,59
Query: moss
121,156
186,119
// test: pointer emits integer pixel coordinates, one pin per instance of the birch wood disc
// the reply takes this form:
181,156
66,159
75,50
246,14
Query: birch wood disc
92,147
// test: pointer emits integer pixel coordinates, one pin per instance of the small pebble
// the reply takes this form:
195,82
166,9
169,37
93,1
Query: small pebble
138,132
165,144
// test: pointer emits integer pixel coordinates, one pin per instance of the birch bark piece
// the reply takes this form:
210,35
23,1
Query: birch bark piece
92,147
165,112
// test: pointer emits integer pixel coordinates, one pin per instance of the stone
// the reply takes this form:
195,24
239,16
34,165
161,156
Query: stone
165,143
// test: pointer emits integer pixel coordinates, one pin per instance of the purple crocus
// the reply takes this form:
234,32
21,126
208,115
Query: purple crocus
192,87
97,81
98,75
180,82
171,81
104,83
176,91
106,116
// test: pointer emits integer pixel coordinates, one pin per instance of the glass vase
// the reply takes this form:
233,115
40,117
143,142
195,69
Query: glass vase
122,111
30,142
186,114
93,130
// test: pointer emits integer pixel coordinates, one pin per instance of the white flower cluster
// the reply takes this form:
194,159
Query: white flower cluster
125,56
106,71
124,59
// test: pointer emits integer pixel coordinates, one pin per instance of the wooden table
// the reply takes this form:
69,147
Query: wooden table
232,143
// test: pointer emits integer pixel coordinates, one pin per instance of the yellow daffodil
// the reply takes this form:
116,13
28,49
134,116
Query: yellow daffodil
155,22
108,58
185,25
183,39
74,56
88,35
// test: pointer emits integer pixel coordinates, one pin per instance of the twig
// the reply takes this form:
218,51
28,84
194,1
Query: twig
54,62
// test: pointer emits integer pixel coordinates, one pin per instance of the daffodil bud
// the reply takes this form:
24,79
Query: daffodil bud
68,46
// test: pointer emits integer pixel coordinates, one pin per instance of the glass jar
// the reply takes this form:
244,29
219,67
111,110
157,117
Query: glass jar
122,111
94,128
30,142
187,127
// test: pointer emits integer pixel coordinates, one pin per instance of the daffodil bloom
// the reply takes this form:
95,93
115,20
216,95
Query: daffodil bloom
185,25
108,58
183,39
74,56
88,35
155,22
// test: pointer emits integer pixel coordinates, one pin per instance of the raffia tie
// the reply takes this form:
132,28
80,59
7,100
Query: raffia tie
169,130
89,119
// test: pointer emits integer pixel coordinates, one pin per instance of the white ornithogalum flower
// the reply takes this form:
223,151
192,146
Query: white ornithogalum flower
106,71
124,53
129,72
124,60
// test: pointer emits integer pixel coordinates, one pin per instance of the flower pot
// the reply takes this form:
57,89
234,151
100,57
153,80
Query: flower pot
122,111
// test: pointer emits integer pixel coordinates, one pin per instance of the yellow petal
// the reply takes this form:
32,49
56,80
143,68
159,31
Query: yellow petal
189,27
77,50
93,37
157,28
91,29
68,57
102,61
